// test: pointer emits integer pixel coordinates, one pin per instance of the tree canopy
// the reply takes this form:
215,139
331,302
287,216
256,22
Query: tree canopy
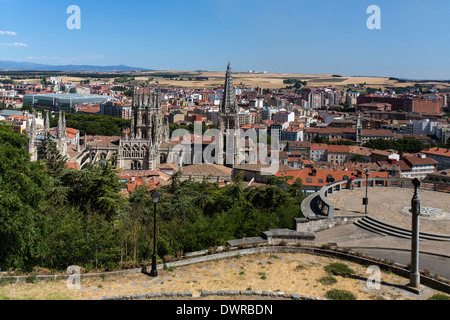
54,217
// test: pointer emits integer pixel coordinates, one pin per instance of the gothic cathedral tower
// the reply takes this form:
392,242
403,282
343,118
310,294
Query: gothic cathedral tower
228,123
140,150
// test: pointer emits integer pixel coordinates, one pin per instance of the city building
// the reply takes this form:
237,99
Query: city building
64,102
441,155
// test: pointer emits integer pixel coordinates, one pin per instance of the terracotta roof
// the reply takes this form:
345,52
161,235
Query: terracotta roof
319,146
444,152
321,175
338,149
417,161
168,166
376,132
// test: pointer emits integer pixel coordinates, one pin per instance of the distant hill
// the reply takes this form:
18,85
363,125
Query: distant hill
28,66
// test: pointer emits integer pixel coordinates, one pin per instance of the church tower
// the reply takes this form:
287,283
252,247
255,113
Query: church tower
358,129
228,120
61,141
31,133
140,149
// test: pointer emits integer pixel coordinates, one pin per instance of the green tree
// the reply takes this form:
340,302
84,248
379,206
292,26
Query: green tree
22,190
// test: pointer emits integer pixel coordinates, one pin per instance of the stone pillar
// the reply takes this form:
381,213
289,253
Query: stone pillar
415,209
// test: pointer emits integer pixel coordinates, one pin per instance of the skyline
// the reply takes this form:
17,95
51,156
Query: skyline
303,37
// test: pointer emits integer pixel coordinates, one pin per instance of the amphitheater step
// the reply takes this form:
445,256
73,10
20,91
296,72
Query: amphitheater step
380,227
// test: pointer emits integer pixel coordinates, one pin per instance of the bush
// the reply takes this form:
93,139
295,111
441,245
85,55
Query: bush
31,279
339,269
299,267
327,281
340,295
6,281
439,296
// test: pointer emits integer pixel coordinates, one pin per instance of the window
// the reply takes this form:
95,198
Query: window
309,180
320,180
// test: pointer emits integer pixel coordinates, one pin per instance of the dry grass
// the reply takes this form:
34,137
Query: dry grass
290,273
266,81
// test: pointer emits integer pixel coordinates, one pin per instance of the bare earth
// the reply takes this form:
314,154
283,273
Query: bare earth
263,80
289,273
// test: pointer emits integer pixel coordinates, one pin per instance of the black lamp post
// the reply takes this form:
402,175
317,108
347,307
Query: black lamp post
155,198
366,199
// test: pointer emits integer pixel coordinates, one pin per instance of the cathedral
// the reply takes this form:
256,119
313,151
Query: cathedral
146,144
37,135
228,123
140,149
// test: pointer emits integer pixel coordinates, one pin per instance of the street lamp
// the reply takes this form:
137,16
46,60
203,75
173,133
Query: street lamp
366,200
155,199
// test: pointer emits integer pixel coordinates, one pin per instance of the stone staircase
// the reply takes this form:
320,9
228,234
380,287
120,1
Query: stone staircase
374,225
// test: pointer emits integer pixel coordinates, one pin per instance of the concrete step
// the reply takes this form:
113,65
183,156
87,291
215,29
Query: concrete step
380,227
367,227
403,231
380,230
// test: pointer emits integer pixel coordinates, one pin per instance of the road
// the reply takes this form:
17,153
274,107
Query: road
435,263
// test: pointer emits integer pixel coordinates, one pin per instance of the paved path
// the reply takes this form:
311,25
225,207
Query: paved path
435,255
391,205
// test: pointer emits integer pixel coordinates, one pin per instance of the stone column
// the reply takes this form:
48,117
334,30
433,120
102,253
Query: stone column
415,210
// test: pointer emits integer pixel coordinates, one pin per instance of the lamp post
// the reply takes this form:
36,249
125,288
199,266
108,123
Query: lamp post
366,200
415,210
155,199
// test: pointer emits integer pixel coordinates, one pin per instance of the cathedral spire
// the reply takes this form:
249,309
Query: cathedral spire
60,125
228,105
47,123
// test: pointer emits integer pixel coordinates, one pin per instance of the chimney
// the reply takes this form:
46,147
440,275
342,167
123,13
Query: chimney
314,172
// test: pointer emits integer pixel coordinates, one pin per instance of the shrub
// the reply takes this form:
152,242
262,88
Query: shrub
340,295
31,279
299,267
327,281
439,296
169,258
5,281
339,269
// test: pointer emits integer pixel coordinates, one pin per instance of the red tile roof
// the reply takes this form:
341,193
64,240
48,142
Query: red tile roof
444,152
308,179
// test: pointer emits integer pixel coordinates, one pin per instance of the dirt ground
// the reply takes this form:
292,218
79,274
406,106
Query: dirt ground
287,272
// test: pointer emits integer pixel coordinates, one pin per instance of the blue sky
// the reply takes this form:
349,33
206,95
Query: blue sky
295,36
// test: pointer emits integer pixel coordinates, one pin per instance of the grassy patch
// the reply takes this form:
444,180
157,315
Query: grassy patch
439,296
327,281
299,267
339,269
31,279
6,281
340,295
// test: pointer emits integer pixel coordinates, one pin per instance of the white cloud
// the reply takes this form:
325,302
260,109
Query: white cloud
15,44
8,33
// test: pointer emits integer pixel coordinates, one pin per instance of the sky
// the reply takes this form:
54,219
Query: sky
279,36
